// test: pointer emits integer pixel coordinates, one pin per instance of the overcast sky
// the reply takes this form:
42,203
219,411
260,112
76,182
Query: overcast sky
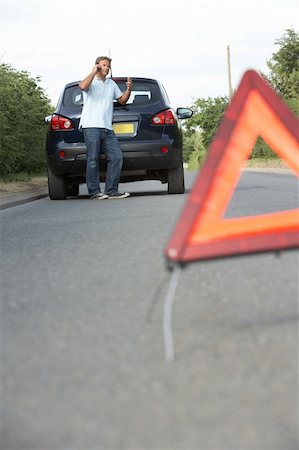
183,43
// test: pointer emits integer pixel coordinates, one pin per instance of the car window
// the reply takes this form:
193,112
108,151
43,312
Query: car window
73,97
143,93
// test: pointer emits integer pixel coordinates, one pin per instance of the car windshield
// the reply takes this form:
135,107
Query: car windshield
143,93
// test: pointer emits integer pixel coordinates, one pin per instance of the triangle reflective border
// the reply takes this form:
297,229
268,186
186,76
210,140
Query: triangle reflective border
201,231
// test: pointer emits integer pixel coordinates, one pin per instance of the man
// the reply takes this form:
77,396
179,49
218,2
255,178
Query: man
96,124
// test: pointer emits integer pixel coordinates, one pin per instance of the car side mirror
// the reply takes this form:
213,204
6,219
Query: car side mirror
184,113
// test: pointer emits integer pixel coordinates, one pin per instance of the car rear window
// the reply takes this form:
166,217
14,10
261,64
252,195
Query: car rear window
143,93
73,97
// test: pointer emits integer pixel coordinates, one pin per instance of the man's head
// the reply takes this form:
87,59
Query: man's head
103,58
104,64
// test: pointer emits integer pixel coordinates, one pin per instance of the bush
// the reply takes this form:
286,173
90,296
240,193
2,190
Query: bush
207,116
262,150
23,131
197,159
191,143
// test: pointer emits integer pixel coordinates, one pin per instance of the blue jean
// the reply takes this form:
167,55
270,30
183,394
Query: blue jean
98,140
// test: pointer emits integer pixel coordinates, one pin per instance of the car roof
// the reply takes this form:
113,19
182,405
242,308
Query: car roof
151,80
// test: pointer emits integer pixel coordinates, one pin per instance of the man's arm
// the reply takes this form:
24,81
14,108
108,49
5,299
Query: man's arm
84,84
125,97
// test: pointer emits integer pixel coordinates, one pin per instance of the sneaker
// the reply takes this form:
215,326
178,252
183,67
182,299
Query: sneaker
99,196
119,195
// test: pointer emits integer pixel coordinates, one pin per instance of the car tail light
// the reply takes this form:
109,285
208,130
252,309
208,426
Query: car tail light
166,117
61,123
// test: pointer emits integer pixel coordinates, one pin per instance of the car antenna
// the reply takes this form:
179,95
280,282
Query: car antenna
110,62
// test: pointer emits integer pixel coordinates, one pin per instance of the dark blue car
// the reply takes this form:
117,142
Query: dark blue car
148,130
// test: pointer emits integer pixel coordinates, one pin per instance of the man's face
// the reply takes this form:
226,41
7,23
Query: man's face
105,66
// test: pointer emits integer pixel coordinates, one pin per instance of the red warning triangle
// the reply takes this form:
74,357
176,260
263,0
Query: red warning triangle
202,232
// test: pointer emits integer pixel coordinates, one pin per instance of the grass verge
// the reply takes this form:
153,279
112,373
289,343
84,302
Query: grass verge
22,182
197,160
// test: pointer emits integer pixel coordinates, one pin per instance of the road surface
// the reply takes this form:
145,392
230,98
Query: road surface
82,355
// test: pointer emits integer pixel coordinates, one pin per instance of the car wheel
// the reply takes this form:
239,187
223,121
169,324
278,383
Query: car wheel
176,183
56,186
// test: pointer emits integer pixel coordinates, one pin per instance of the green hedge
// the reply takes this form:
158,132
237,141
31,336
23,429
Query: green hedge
22,128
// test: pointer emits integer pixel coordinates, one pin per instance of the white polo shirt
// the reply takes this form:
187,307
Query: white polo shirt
97,108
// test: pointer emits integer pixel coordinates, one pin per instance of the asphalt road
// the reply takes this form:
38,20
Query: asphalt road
83,286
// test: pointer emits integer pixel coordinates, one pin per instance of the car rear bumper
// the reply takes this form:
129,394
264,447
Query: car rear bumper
139,156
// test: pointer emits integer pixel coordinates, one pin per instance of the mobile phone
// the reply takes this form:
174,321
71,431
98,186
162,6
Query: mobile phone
98,68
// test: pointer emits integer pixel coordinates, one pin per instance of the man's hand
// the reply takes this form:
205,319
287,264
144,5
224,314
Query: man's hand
95,69
129,84
126,95
84,84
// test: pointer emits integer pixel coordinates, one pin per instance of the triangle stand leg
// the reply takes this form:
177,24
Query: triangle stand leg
167,314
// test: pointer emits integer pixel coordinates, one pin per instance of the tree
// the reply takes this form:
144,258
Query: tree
284,78
22,110
207,116
284,66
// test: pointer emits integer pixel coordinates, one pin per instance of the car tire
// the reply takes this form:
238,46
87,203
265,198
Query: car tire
56,186
176,182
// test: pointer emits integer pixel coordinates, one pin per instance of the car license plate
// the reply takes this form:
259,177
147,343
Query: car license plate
123,128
